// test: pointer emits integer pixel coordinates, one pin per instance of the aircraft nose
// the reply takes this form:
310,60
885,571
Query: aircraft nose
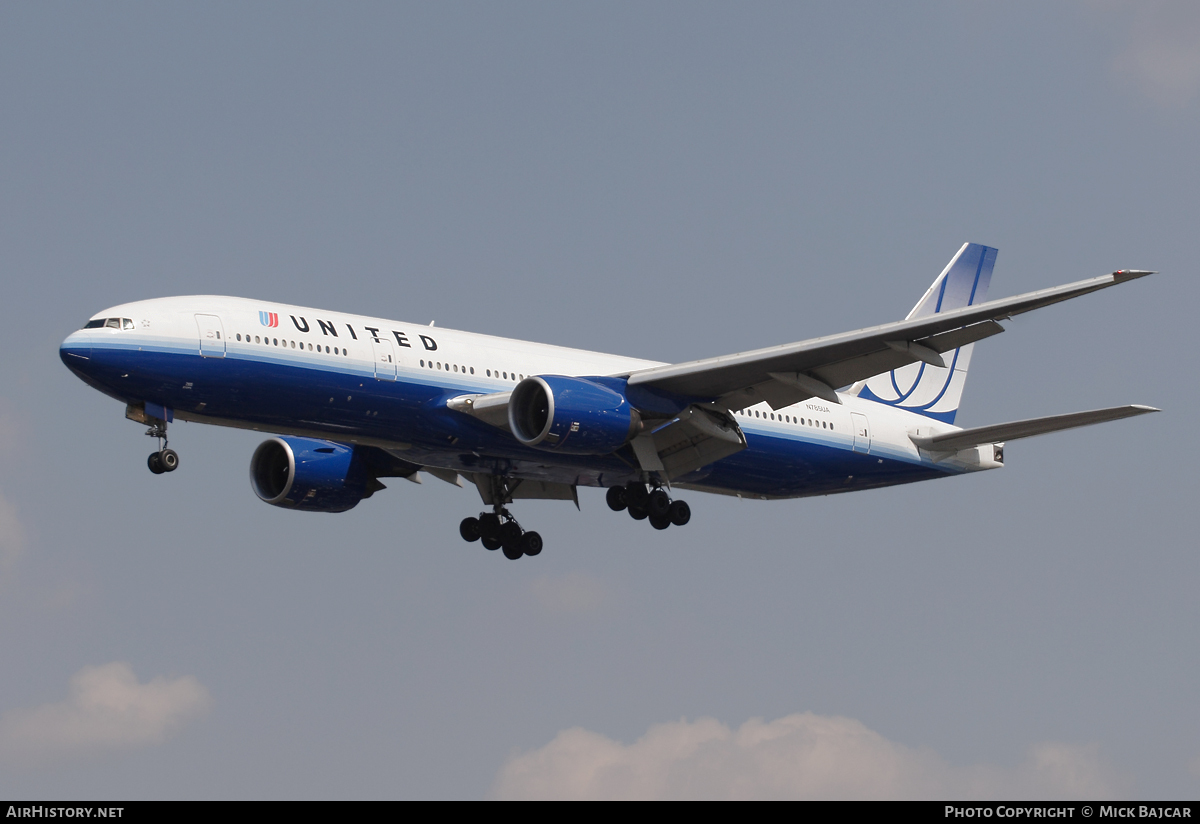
75,351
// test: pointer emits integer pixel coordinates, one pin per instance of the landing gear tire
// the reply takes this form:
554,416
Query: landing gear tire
531,543
637,513
513,551
680,513
469,529
490,543
510,534
660,521
155,463
636,494
616,498
489,528
169,459
658,504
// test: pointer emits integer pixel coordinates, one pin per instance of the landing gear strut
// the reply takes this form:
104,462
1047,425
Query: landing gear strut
499,530
654,504
164,460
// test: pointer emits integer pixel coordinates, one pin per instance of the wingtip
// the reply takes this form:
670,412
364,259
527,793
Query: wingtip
1143,408
1122,275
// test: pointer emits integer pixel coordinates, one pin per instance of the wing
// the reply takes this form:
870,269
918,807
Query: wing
788,374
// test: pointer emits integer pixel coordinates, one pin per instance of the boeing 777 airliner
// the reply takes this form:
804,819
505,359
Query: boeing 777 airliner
354,399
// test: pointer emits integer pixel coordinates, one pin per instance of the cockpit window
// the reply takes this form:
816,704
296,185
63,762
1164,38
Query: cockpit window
109,323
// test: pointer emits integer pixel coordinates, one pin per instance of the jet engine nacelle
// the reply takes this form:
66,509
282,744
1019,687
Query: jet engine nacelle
309,475
571,415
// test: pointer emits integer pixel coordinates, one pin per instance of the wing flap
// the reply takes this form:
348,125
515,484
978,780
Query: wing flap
495,489
695,438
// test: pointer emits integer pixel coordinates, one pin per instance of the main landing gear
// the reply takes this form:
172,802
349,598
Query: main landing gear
500,530
652,504
164,460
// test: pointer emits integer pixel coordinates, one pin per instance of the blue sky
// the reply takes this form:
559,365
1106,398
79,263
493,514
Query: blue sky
668,181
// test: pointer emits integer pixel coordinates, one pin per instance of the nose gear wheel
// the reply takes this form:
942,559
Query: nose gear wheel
164,460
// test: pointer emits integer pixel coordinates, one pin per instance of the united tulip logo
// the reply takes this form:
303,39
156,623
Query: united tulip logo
268,318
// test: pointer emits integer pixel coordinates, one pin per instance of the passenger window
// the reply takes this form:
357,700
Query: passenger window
472,370
456,367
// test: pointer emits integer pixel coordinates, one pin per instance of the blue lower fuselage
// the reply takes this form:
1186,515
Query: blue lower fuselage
342,400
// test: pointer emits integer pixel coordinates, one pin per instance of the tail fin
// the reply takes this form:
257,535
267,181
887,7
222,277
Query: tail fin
930,390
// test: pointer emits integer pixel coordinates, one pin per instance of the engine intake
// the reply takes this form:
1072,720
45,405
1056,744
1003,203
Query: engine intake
572,415
309,475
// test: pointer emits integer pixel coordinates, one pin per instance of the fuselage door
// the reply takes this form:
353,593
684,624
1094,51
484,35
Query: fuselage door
385,360
212,336
862,432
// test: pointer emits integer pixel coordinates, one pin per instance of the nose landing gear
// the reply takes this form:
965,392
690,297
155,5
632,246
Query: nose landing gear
164,460
500,530
653,504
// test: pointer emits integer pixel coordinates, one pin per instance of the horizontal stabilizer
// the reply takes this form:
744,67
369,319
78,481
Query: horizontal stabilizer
966,438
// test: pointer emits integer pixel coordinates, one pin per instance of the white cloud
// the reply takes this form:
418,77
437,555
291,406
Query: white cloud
12,537
1162,58
107,709
801,756
572,592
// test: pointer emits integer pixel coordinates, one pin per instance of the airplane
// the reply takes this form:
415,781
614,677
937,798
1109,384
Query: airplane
352,399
